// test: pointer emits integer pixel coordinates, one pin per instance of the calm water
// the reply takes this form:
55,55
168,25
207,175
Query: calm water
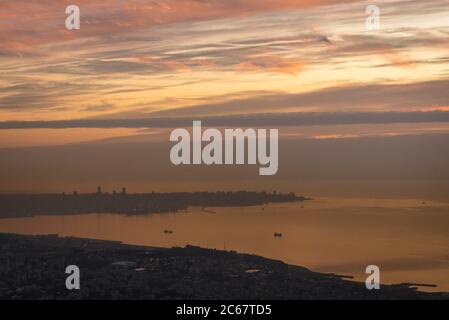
407,239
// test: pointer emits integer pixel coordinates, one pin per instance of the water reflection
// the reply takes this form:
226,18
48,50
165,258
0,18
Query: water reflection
407,239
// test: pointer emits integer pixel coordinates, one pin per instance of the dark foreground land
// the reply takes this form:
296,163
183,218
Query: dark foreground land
19,205
33,267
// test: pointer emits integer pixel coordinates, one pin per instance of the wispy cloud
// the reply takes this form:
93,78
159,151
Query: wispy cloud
37,22
370,97
142,56
289,119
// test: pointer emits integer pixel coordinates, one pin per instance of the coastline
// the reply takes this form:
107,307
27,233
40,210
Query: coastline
29,205
113,270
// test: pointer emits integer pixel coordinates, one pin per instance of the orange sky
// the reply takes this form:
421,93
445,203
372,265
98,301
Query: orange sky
169,58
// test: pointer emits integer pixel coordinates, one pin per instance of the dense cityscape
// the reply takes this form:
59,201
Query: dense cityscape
32,267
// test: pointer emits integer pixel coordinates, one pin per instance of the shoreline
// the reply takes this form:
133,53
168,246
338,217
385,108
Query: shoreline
167,273
23,205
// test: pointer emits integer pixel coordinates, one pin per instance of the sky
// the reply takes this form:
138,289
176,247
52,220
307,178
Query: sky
138,68
147,58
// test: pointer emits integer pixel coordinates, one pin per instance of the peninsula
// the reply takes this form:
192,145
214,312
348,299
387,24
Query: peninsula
20,205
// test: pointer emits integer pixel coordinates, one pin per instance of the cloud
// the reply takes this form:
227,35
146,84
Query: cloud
273,63
99,107
33,94
124,50
37,22
289,119
370,97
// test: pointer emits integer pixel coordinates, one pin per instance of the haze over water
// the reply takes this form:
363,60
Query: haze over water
406,238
